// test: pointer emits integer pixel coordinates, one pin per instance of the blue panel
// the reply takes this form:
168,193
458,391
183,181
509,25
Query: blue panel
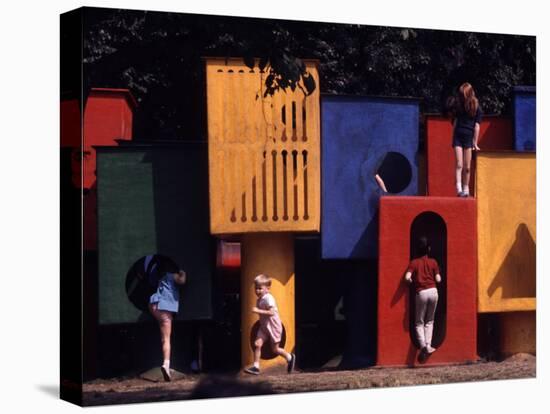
357,135
525,125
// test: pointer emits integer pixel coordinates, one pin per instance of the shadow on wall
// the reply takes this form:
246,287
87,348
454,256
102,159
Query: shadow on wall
396,173
517,273
367,242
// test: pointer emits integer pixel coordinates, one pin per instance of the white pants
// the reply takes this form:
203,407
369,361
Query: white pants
426,302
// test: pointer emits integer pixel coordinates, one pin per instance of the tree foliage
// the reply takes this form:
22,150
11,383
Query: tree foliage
159,57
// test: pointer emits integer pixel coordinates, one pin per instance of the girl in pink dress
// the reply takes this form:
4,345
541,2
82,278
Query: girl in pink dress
271,327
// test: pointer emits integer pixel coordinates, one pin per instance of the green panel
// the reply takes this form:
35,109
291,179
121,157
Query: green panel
153,200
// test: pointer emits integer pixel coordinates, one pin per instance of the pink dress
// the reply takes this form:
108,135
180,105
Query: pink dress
271,327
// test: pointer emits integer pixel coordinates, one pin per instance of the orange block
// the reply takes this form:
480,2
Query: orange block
264,152
506,193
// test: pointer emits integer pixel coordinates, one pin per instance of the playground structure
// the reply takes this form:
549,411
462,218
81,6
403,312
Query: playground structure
265,171
450,224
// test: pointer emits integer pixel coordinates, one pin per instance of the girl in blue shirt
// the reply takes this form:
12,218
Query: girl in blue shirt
163,304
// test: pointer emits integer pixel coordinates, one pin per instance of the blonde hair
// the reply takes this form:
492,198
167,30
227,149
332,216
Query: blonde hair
262,280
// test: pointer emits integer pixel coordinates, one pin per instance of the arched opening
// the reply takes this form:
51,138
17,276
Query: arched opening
433,227
396,172
139,287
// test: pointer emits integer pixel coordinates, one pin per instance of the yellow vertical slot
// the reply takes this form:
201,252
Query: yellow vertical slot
269,183
287,102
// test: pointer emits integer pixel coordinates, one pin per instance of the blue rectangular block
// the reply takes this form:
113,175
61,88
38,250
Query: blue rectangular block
525,121
363,136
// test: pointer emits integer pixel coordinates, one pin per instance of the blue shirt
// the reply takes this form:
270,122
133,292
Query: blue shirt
167,295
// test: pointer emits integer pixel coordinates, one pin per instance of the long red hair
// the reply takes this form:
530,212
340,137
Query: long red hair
468,99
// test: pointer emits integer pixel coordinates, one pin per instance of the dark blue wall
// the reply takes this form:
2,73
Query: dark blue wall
525,125
357,135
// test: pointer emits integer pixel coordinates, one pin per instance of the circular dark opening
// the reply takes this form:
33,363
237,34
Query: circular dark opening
267,353
138,287
396,172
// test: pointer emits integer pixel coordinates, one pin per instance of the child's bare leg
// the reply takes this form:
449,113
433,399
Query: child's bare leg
466,170
258,351
280,351
458,166
165,332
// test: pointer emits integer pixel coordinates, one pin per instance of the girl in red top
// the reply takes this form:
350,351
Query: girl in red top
423,273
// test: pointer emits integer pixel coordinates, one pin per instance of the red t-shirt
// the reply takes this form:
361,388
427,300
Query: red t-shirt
423,272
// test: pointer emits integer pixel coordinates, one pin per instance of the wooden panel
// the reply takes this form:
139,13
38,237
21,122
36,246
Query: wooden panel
255,179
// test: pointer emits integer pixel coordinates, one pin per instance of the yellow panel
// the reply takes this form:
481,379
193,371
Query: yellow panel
264,160
517,333
506,222
279,265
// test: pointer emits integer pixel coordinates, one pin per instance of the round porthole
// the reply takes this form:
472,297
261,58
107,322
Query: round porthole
396,172
138,287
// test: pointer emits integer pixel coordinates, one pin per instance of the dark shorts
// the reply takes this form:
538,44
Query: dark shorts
463,140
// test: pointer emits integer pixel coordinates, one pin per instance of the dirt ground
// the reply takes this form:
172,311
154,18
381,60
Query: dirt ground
136,390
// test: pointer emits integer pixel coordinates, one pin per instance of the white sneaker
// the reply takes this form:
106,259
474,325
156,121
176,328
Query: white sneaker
430,350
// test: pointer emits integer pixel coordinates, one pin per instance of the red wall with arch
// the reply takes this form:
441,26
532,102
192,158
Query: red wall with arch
394,345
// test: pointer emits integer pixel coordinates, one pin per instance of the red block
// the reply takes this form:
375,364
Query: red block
496,133
108,116
451,224
229,254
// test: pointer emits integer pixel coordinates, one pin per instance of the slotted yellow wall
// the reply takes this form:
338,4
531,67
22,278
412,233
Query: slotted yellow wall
264,167
506,200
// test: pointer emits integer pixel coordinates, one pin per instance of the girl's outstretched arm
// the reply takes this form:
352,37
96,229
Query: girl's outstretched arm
380,182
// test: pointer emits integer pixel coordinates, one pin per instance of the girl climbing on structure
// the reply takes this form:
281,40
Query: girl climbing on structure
466,114
164,304
423,273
